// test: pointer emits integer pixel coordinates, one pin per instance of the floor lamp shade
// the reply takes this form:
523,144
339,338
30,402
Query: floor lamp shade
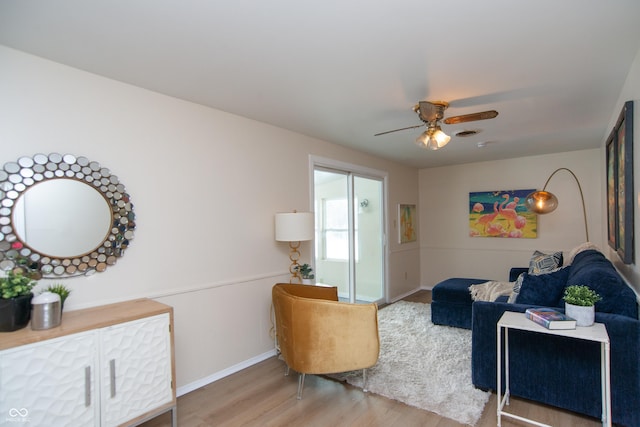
294,226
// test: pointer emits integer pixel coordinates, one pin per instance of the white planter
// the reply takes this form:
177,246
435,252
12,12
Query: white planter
307,281
584,315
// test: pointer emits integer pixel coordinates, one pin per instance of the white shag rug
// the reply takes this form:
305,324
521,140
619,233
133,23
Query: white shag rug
423,365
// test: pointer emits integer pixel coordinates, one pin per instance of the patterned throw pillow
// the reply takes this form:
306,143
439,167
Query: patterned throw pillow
544,263
516,289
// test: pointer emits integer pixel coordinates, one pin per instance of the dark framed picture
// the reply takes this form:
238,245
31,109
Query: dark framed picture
620,229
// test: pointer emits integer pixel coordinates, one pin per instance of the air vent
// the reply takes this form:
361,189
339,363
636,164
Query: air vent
465,133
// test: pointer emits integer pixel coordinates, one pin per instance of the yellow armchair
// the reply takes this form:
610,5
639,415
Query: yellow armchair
317,334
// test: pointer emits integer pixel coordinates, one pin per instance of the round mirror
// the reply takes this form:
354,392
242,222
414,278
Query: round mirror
62,216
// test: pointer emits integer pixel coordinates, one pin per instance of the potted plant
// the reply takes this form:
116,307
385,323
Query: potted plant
15,301
61,290
306,273
579,301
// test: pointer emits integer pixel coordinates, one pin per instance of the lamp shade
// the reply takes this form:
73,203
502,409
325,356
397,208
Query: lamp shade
294,226
541,202
433,138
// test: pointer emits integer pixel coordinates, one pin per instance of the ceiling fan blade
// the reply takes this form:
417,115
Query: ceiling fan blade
396,130
484,115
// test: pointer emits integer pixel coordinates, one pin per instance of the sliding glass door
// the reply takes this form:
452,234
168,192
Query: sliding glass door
350,243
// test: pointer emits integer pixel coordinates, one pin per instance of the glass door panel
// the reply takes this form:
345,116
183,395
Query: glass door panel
369,271
332,230
349,244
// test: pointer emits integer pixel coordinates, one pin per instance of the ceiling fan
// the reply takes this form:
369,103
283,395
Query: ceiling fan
431,113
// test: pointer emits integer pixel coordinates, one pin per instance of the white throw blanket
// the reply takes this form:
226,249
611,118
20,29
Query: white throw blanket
490,290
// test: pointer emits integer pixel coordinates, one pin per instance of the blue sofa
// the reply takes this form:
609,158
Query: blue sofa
558,371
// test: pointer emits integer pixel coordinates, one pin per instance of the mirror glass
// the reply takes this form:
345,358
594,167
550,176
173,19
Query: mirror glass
62,216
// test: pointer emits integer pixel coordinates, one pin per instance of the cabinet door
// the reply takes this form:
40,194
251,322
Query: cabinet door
50,383
135,368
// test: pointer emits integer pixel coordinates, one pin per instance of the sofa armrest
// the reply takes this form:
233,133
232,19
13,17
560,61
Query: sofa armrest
560,363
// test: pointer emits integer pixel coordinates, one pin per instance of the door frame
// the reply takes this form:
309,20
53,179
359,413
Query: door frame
366,172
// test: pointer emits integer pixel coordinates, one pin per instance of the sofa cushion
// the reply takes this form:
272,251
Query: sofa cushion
591,268
541,263
543,289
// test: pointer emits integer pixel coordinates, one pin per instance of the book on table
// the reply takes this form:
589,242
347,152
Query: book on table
550,318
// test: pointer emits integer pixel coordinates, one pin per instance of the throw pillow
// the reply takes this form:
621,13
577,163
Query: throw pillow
541,263
516,289
543,289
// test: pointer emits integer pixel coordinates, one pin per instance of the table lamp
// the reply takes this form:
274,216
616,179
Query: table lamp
294,227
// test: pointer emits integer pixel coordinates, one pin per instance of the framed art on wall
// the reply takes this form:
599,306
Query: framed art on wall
620,228
501,214
407,219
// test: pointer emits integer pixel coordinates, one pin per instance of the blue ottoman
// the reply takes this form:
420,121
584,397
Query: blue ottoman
451,302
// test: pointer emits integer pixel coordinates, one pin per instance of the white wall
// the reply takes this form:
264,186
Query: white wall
447,250
630,92
205,185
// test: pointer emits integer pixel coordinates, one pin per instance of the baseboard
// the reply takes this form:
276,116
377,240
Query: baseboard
404,295
224,373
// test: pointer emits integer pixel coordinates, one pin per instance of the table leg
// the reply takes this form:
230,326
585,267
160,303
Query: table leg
506,365
498,374
605,371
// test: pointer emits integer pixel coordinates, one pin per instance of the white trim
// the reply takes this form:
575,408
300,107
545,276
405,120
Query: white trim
224,373
277,275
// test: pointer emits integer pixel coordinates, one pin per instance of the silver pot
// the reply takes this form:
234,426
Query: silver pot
47,311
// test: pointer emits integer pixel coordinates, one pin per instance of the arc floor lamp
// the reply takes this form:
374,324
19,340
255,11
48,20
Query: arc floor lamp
294,227
544,202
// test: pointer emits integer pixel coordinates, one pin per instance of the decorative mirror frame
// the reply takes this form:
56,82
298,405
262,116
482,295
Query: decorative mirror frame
17,177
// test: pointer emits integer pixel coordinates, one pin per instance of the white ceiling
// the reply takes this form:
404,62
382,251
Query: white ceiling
343,70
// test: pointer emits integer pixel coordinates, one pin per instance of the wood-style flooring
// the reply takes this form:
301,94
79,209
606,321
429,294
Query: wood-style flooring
262,396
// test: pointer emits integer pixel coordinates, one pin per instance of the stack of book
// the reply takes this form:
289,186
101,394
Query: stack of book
550,318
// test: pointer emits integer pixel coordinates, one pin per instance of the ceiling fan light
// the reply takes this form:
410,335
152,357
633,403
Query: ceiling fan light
433,138
423,139
441,138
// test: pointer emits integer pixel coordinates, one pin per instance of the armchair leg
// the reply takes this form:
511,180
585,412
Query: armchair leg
286,370
300,385
364,381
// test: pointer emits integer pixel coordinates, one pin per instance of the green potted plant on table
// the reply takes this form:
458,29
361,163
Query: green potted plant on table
15,301
579,303
306,273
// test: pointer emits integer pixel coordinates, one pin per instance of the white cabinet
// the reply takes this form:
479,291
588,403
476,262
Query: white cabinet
105,366
135,369
52,383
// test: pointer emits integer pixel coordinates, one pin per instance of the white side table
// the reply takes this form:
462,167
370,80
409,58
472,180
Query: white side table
597,333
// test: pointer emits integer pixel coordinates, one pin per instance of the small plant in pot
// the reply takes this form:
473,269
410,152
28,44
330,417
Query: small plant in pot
15,301
580,303
306,273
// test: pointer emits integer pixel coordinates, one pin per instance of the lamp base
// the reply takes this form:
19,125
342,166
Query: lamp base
294,256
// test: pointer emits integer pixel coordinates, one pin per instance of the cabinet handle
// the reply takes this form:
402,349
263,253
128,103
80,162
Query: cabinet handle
112,372
87,386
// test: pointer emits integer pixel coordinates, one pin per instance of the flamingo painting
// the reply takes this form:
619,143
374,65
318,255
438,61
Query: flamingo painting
501,214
